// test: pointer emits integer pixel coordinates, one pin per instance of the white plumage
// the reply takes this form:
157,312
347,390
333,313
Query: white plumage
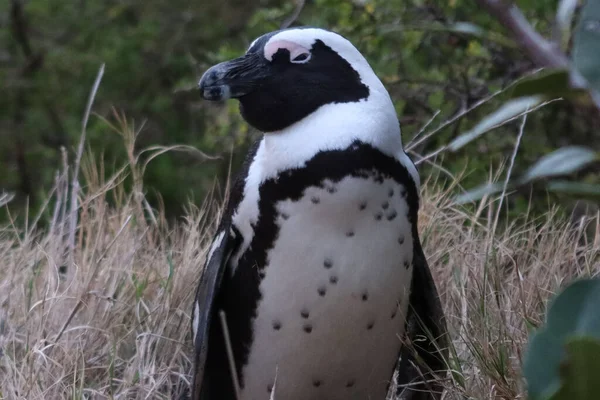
318,249
335,295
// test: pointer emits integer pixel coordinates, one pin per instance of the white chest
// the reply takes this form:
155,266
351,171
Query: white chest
334,294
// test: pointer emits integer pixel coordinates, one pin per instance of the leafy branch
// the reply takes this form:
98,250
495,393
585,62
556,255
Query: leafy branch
577,78
548,54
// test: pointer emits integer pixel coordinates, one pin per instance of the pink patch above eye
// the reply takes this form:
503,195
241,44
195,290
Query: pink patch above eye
294,48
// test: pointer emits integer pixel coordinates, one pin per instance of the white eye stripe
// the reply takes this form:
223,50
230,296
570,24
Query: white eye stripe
300,58
272,47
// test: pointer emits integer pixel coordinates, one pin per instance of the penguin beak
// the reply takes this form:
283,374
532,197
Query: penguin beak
233,79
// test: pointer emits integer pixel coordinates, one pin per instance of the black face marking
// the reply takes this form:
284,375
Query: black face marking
240,295
393,214
406,264
332,189
276,325
285,216
362,205
403,192
269,388
385,205
304,314
394,313
317,383
391,192
333,279
315,200
350,233
378,216
321,290
259,44
401,239
365,296
350,383
370,325
307,328
288,92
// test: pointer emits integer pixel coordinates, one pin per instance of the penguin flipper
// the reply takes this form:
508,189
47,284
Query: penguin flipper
426,330
212,375
205,317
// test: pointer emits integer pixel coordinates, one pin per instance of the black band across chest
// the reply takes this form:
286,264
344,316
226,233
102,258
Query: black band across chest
241,294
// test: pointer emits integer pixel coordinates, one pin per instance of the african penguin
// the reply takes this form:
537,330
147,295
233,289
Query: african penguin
317,265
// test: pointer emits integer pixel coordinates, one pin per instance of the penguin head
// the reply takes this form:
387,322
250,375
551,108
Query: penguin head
287,75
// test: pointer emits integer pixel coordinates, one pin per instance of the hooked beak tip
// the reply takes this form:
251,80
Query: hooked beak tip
215,93
212,87
230,79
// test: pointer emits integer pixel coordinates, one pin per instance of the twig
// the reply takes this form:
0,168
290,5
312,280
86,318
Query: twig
75,181
452,120
292,18
447,146
541,51
272,397
6,198
90,281
413,144
509,172
443,170
230,359
424,127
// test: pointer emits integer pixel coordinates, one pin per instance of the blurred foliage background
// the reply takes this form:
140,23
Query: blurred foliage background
437,58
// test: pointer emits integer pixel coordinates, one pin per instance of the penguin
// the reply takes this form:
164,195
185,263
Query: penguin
316,278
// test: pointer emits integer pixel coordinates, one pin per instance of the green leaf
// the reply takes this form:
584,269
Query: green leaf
578,188
564,17
478,192
586,43
563,161
579,372
551,83
467,27
470,28
508,111
573,313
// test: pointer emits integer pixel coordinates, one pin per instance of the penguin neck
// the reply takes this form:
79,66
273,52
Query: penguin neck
336,126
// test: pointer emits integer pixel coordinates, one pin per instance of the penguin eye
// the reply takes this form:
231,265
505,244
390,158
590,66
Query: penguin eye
301,58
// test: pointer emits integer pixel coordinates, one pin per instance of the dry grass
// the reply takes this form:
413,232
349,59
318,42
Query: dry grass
108,316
